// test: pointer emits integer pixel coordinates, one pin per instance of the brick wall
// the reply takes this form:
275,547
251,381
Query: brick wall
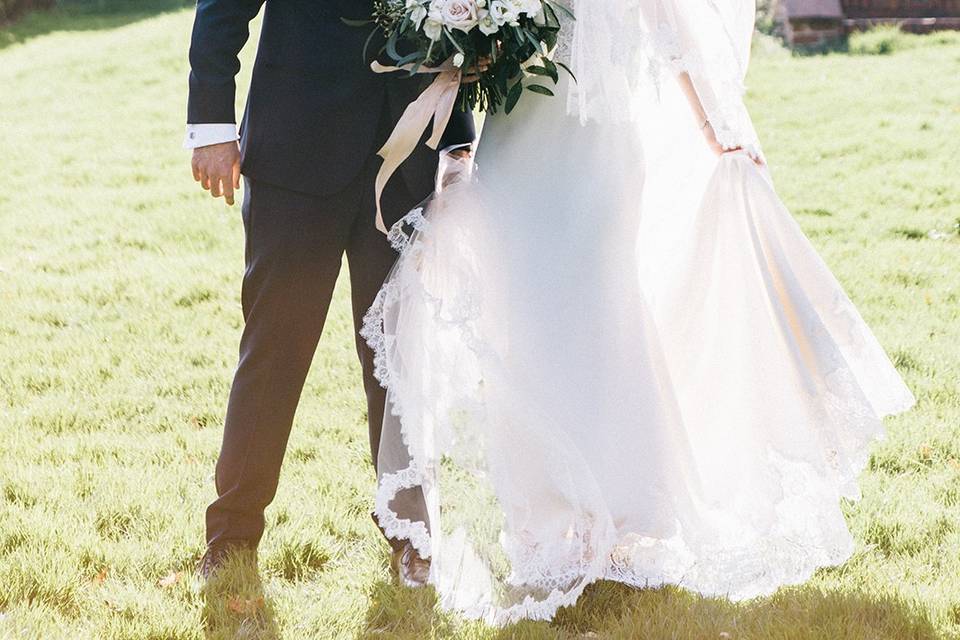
822,22
901,8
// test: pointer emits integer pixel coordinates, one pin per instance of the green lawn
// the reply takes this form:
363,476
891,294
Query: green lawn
119,322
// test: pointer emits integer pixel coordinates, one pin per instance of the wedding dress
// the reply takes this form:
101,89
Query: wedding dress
610,355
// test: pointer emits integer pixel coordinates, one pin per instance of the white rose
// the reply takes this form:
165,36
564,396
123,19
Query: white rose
458,60
459,14
417,12
531,7
504,12
487,25
433,28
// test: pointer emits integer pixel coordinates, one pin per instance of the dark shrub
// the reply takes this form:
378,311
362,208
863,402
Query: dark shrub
10,9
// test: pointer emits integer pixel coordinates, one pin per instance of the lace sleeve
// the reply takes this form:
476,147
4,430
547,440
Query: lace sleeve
711,43
622,51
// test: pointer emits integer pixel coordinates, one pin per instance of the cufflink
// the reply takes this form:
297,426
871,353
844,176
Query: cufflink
193,135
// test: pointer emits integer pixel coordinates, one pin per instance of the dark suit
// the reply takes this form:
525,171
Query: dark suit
315,117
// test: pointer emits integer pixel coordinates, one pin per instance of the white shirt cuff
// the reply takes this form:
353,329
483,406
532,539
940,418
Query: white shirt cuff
202,135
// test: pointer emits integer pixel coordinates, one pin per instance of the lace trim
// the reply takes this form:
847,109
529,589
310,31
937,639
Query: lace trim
394,526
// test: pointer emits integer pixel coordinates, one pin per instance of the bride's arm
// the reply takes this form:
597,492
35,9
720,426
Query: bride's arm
703,122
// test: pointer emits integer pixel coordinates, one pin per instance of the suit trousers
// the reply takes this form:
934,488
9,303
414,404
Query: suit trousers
295,243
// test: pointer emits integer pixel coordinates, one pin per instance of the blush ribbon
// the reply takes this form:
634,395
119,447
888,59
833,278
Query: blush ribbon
436,103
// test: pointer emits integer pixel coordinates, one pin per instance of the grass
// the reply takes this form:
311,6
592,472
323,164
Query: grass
84,15
119,322
887,39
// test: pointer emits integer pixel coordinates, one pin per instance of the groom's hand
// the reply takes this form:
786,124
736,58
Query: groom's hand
217,169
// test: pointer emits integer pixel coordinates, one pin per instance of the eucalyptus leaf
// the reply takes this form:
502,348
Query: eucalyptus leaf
413,57
513,96
550,15
350,22
549,39
567,69
538,70
542,90
366,45
392,47
532,39
551,69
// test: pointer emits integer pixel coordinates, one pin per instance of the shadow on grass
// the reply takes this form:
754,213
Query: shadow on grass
399,612
611,610
85,15
235,605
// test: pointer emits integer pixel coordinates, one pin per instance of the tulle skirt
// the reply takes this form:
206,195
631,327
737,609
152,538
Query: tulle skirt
561,410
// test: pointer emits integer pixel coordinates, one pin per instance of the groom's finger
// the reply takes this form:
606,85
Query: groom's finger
215,187
236,175
228,192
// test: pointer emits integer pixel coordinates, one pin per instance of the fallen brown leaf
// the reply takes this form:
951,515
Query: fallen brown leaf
245,606
172,579
100,577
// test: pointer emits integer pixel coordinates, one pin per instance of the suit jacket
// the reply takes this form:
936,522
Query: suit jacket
315,108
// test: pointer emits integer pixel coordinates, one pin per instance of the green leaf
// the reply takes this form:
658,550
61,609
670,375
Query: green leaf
551,68
538,70
392,47
513,96
413,57
536,88
550,15
549,39
567,69
532,39
350,22
366,45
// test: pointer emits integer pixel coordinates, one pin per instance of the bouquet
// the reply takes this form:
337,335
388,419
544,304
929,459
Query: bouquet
496,41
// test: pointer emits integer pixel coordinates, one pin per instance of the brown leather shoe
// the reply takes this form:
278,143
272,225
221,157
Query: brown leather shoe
216,556
411,570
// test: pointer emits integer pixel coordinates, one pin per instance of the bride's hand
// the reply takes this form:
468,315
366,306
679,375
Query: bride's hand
711,137
473,73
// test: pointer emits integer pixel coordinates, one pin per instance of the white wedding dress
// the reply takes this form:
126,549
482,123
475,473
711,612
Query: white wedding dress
610,355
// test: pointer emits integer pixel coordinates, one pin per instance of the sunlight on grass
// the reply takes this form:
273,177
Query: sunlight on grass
120,318
887,39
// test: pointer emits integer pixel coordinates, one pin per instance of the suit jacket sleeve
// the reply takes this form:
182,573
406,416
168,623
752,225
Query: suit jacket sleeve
460,129
220,29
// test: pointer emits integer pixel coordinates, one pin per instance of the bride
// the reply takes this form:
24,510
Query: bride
612,354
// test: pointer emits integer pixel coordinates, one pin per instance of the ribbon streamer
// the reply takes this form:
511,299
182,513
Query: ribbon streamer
435,103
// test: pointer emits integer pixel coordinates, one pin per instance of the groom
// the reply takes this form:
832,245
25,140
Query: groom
315,117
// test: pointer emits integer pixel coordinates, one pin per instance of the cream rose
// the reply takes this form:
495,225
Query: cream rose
459,14
504,12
